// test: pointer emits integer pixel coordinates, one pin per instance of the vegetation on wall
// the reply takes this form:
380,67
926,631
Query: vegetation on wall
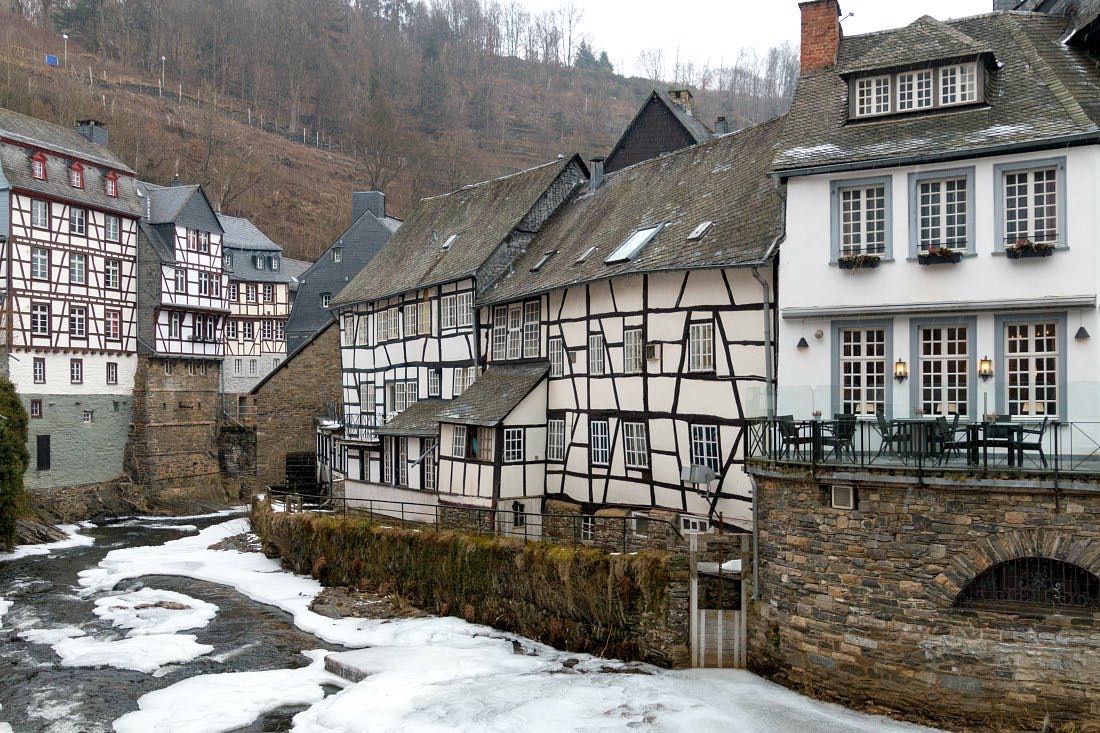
574,598
13,461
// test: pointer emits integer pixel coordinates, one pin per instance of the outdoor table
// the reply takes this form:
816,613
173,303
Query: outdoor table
977,439
921,434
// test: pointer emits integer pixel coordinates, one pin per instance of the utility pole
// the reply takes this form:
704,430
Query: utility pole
65,38
160,89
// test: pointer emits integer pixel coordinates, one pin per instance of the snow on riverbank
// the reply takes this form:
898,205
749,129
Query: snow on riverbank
75,539
4,606
436,674
228,701
139,653
150,611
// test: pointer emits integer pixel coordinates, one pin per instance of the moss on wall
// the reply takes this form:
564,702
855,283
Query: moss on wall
574,598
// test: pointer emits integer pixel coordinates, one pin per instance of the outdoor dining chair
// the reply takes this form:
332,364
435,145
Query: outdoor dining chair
842,439
893,435
790,436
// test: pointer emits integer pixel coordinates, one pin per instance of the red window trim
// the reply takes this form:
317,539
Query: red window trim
110,184
78,169
39,157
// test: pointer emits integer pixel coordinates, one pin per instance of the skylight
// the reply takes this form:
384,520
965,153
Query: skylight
587,253
629,249
450,240
699,231
543,260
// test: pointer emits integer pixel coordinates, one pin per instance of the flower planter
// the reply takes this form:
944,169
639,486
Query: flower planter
858,263
1021,253
940,257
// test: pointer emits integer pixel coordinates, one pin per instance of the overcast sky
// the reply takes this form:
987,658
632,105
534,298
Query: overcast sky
710,30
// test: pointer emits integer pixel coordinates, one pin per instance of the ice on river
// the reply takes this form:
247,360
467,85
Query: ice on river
151,611
49,637
4,606
230,700
75,539
139,653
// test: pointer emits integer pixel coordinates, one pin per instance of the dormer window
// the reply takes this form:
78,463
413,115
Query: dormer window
337,254
259,259
916,90
274,264
76,175
110,184
38,166
228,260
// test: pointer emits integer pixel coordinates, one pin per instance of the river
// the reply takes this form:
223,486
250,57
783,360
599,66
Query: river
227,655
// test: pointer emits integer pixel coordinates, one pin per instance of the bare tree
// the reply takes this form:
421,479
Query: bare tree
652,63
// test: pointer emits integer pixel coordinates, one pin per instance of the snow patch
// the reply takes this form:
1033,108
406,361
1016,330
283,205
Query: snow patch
139,653
49,637
149,611
75,539
212,515
4,606
229,701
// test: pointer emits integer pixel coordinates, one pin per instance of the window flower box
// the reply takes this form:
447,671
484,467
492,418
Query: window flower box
939,256
1024,248
858,262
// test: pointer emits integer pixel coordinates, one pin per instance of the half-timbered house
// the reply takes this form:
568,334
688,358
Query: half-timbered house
68,222
259,303
642,305
408,329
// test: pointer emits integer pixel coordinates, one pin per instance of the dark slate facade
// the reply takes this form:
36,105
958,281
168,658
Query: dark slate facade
661,126
369,232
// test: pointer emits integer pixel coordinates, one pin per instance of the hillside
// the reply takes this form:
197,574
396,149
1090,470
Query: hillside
491,114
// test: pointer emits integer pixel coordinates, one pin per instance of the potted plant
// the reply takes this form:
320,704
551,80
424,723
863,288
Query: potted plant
939,255
858,261
1024,247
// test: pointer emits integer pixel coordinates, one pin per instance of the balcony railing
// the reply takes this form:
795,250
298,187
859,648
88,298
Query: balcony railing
1048,448
356,426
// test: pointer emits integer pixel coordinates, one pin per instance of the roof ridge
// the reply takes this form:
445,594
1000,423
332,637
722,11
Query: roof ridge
1049,76
471,186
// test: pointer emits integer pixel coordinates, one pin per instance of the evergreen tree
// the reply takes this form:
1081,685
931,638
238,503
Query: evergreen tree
13,460
605,63
585,59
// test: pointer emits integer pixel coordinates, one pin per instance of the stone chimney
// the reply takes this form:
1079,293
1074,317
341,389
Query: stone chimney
364,201
93,130
682,97
820,34
597,174
722,126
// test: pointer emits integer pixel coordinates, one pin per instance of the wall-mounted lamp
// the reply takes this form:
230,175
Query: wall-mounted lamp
1081,334
901,371
802,344
819,334
985,368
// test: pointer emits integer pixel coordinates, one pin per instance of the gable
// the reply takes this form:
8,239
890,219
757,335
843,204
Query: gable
198,214
654,131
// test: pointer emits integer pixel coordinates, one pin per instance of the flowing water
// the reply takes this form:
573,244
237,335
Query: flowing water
40,696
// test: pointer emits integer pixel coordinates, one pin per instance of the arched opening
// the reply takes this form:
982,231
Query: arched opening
1032,584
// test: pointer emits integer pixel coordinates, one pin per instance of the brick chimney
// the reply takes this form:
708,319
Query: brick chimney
682,97
820,33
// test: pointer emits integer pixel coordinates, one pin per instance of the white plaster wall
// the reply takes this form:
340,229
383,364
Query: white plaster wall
21,370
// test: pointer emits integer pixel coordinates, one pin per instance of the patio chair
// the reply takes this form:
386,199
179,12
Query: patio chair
948,438
791,441
1031,438
843,437
892,435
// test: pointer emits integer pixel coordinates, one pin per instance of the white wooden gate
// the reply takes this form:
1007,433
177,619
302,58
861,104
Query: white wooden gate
719,639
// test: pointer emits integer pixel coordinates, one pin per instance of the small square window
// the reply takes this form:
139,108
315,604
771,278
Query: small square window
88,417
36,408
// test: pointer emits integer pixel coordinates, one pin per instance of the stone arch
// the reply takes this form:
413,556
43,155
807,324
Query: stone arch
1053,544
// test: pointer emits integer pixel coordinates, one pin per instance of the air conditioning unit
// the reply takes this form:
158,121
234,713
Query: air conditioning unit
843,497
652,352
697,474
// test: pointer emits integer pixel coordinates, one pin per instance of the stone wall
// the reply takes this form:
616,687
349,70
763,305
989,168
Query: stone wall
237,457
285,405
631,607
611,529
173,449
860,606
81,452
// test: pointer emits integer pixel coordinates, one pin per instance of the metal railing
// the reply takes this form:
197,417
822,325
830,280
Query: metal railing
1048,448
612,533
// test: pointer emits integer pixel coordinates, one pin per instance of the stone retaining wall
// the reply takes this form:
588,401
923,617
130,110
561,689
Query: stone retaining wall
859,606
631,607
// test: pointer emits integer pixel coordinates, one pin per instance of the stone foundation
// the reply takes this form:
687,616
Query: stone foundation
859,605
610,529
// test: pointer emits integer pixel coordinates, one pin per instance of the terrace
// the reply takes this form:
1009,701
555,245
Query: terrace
358,427
1044,450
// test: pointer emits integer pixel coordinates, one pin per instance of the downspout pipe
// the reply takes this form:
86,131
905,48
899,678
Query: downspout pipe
769,373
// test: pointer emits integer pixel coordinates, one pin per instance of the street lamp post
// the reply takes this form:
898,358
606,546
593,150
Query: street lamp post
161,90
65,38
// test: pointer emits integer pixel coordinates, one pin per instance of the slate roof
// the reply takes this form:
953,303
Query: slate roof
694,126
924,40
482,215
240,233
34,131
493,395
421,418
1038,89
724,181
16,163
166,202
295,268
164,251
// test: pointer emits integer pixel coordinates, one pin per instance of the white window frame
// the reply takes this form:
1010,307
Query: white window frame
515,331
448,311
112,228
513,445
636,445
458,441
706,447
701,346
915,90
1032,372
231,329
500,332
76,371
633,351
40,263
532,328
40,319
588,527
434,383
596,358
40,214
862,378
78,322
465,309
872,98
78,221
555,348
634,244
78,268
429,464
410,320
112,274
555,440
1020,195
112,372
599,442
112,325
960,80
944,367
863,218
39,371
